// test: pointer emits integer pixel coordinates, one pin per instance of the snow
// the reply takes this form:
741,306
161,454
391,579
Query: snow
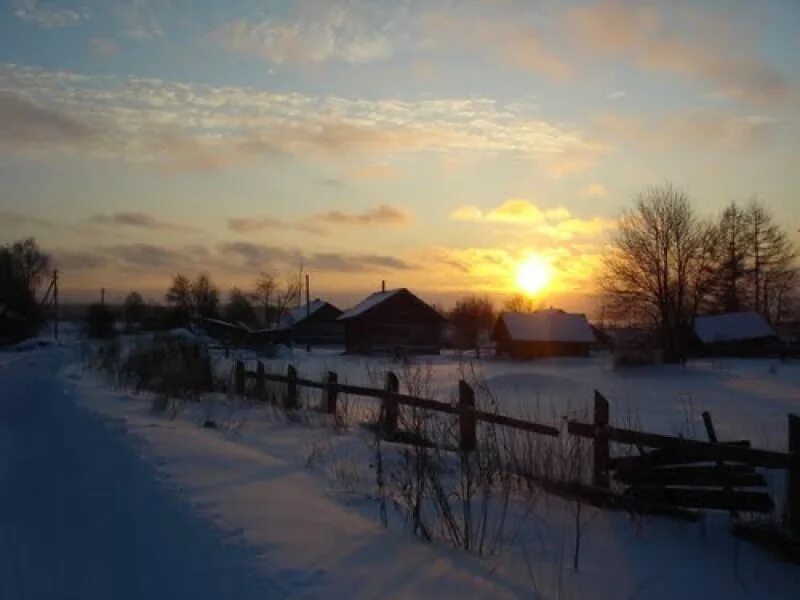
731,327
291,501
548,326
368,303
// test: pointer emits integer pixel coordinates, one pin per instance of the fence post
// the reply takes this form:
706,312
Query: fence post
260,380
793,485
331,393
467,423
601,453
291,388
239,378
389,410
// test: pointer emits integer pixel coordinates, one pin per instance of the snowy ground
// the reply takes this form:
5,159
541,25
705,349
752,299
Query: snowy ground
286,505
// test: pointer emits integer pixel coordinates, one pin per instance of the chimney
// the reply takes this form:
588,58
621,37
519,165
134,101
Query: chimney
383,285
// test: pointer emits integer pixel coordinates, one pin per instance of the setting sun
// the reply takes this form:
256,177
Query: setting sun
534,275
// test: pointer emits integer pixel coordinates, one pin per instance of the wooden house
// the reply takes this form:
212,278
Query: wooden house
393,321
735,334
230,334
313,323
543,333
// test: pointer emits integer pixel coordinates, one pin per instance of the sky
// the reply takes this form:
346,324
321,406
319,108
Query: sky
436,144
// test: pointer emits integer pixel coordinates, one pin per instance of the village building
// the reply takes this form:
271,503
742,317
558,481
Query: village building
392,321
543,333
735,334
315,323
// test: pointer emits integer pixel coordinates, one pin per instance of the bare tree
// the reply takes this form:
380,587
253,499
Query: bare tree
660,265
265,288
772,272
239,308
522,303
730,292
470,316
205,297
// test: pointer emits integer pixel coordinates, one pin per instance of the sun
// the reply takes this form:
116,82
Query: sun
534,275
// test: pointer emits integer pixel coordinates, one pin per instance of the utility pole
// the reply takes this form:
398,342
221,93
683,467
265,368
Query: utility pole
102,296
308,308
55,303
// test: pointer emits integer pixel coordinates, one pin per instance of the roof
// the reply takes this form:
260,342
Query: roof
732,327
369,303
296,315
550,325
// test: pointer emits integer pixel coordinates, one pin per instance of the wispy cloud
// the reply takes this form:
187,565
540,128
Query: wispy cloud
594,190
315,33
27,125
105,47
134,119
381,215
512,41
557,222
699,45
139,220
47,15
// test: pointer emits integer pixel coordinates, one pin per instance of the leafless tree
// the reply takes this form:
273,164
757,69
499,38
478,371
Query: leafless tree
471,316
522,303
660,264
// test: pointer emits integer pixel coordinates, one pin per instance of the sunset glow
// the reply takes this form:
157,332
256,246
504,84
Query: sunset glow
534,275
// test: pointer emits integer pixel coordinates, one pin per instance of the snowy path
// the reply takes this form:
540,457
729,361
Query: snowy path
83,517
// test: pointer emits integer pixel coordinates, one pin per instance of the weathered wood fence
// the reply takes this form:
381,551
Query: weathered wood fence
733,461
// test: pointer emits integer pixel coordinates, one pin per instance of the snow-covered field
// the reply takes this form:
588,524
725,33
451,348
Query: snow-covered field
748,399
300,495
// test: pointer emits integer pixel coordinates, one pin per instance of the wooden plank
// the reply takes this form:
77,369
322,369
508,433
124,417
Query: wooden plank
516,423
331,395
793,482
291,388
690,476
389,409
600,449
467,423
705,451
694,498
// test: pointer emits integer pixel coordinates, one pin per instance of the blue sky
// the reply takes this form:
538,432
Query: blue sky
433,144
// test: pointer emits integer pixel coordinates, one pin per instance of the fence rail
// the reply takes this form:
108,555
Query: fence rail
669,450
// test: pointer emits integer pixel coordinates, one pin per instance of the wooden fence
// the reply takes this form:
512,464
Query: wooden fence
668,450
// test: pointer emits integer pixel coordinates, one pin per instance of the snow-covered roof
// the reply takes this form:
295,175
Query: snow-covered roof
298,314
551,325
732,327
368,303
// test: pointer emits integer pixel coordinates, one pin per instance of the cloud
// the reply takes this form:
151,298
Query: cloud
104,47
178,126
594,190
78,261
556,223
256,224
381,215
616,95
698,45
147,256
568,229
516,211
466,213
47,15
512,42
25,125
256,256
373,172
355,263
314,34
694,129
15,220
140,220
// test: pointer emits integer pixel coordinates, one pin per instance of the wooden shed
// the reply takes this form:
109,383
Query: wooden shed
735,334
543,333
315,323
393,321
